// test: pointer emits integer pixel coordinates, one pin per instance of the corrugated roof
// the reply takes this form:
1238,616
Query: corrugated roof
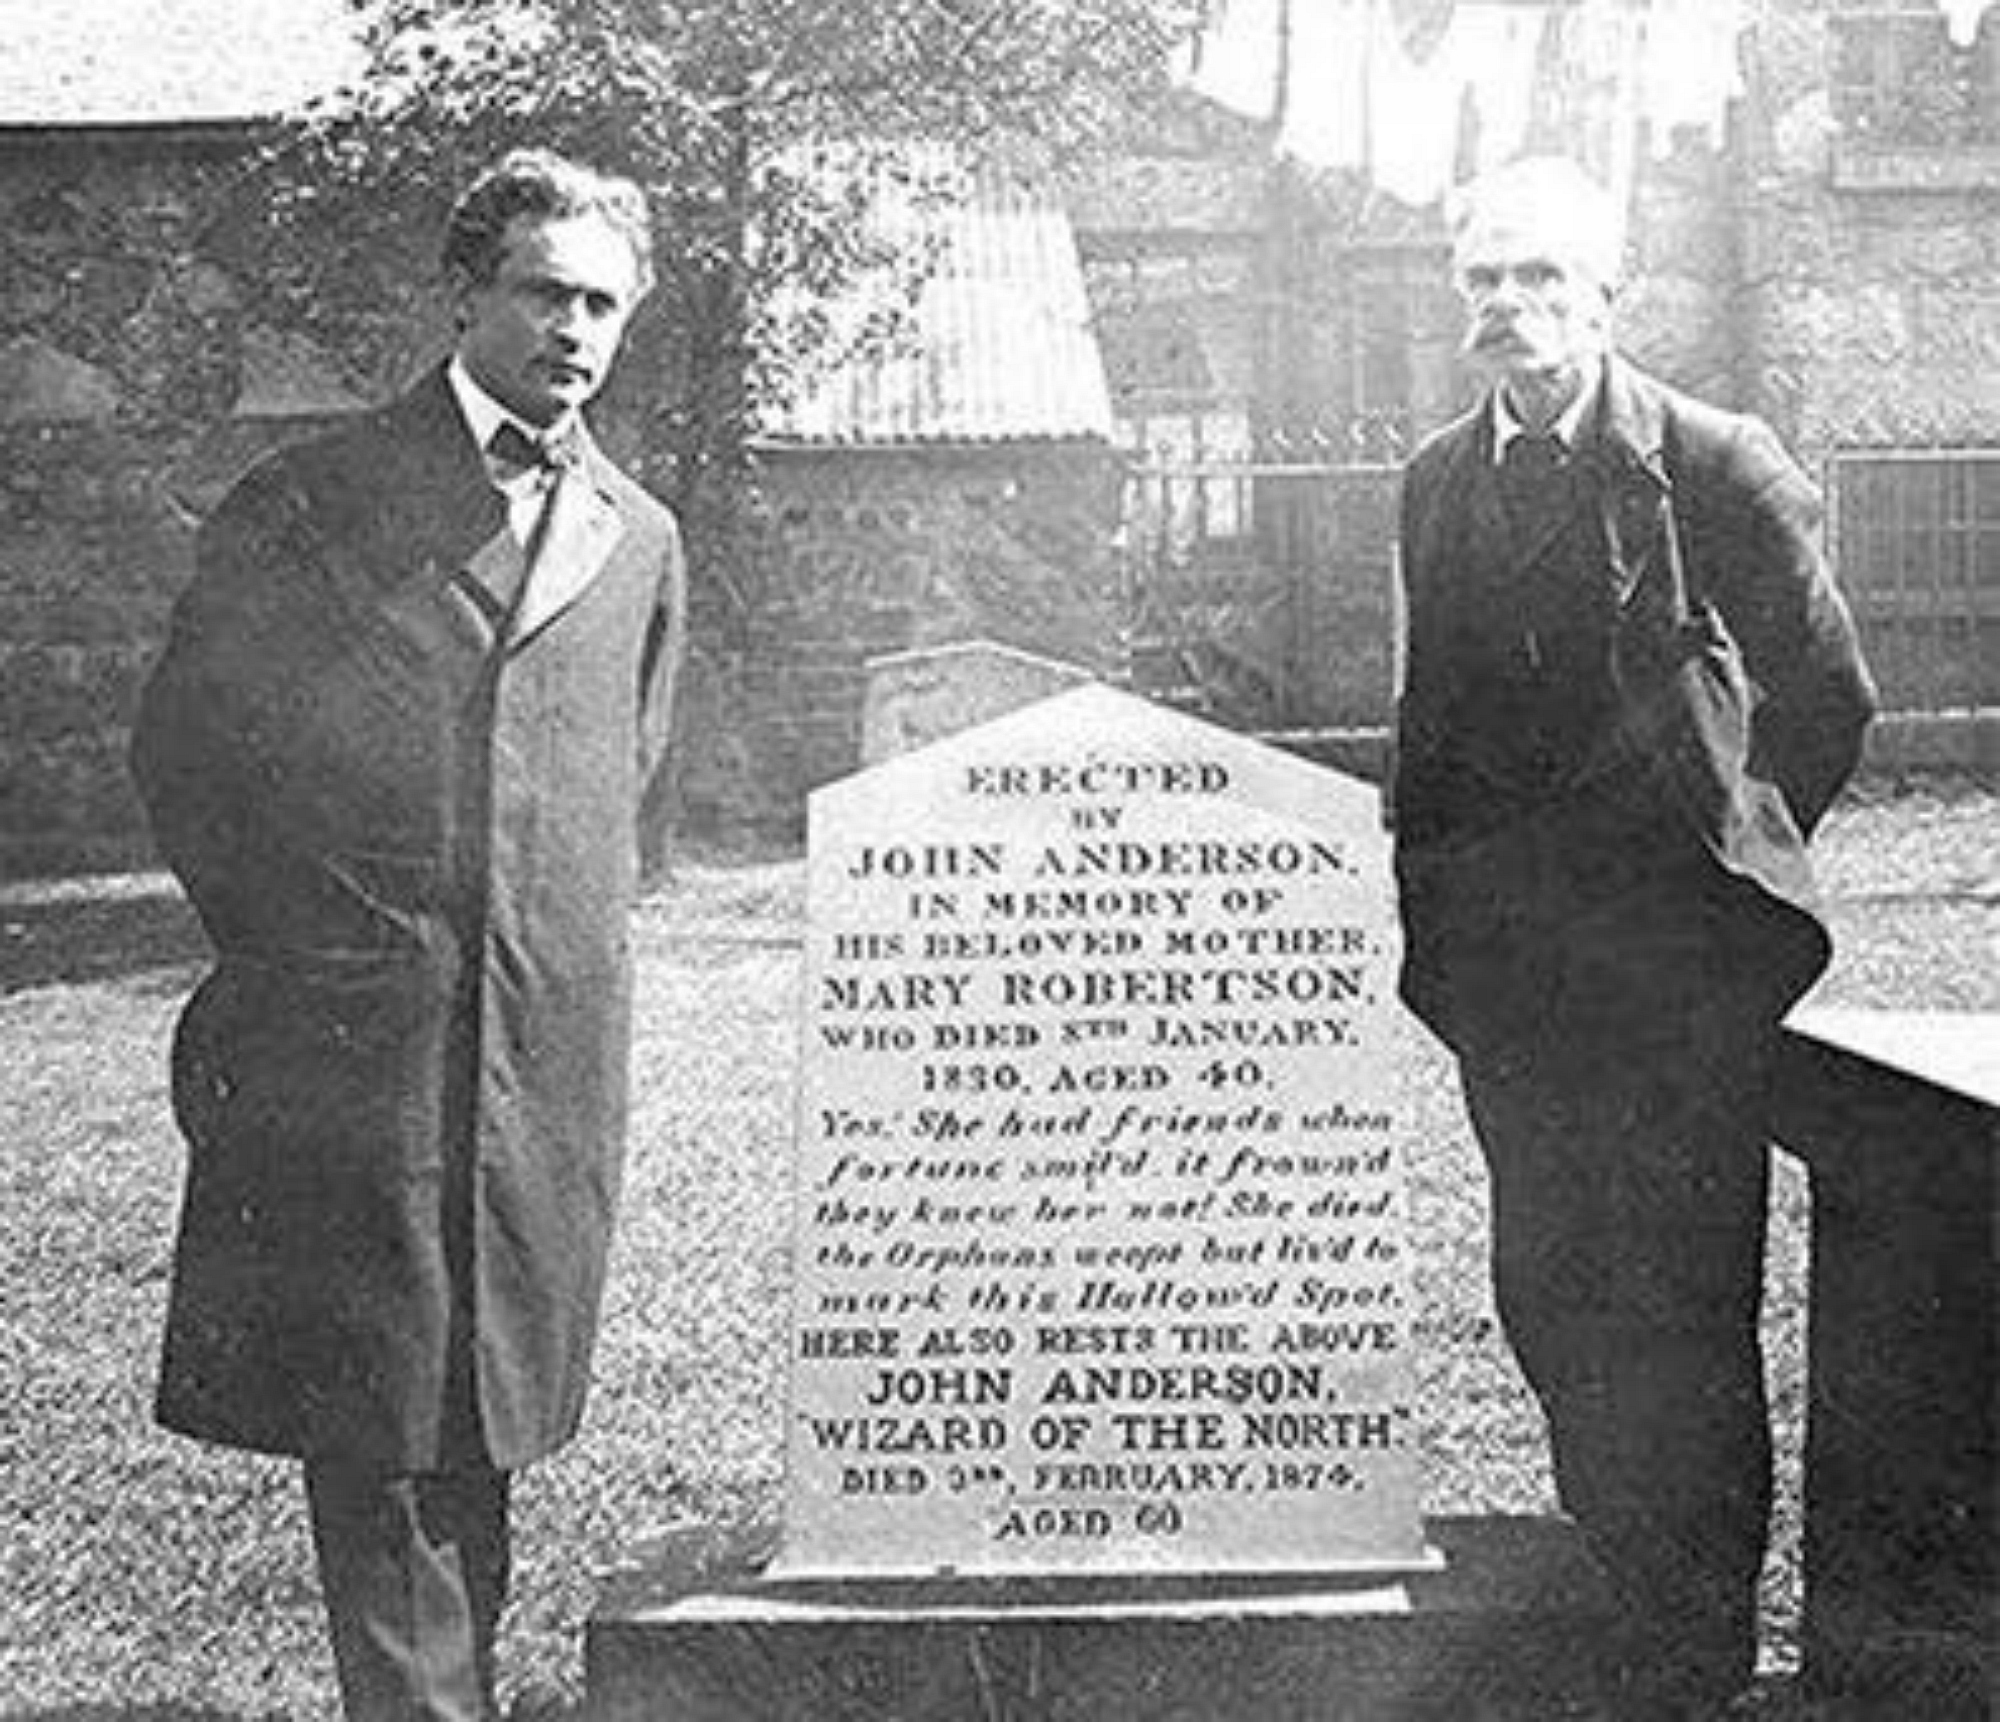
92,63
1000,347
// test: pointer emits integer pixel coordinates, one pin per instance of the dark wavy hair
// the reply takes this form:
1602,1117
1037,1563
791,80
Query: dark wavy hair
548,187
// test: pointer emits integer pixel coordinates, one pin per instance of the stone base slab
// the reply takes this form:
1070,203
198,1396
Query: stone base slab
1509,1628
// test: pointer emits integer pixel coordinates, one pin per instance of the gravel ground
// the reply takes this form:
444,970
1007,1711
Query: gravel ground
1912,878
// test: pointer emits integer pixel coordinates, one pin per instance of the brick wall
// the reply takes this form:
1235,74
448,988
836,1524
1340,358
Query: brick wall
118,352
866,552
91,553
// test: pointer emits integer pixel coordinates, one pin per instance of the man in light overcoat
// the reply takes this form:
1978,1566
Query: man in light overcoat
1631,692
394,749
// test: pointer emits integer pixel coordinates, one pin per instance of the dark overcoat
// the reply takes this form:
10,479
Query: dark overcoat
406,817
1739,701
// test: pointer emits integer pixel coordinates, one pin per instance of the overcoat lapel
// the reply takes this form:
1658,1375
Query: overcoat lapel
442,534
450,508
456,521
579,531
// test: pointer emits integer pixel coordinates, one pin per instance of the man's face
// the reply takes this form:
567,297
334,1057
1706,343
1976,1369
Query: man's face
1535,307
541,335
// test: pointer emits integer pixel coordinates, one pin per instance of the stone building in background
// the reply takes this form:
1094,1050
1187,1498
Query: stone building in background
1869,192
135,372
1151,428
1813,190
962,485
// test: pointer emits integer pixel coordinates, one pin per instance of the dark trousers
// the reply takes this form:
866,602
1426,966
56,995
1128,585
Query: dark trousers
1629,1175
414,1570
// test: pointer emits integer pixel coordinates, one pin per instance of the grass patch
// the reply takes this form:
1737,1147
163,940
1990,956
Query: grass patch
152,1580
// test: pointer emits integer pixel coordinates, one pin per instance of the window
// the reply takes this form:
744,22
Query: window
1917,540
1191,478
1900,82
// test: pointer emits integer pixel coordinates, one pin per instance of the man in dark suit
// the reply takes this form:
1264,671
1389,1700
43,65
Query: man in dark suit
394,750
1630,692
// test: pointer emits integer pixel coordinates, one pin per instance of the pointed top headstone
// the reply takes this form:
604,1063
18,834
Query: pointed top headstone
923,695
1099,1212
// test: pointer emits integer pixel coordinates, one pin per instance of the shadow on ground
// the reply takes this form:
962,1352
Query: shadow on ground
95,930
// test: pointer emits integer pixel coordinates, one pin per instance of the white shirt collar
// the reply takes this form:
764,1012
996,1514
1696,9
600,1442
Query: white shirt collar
483,414
1567,428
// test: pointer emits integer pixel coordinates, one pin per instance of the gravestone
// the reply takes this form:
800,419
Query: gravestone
1099,1246
923,695
1897,1116
1101,1378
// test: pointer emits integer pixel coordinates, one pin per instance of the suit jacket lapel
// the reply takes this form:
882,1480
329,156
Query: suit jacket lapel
1530,541
1485,507
1471,503
1526,542
1623,482
1633,492
493,578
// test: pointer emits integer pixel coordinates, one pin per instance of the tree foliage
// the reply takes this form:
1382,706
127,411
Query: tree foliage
761,129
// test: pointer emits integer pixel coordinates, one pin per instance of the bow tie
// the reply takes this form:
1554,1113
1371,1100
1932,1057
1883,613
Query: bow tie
513,453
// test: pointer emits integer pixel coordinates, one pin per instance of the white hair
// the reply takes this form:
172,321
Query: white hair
1552,197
